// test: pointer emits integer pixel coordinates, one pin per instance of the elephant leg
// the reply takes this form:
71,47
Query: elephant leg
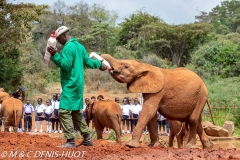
116,126
153,132
206,143
186,136
117,130
99,128
149,110
15,129
171,138
5,124
180,140
192,135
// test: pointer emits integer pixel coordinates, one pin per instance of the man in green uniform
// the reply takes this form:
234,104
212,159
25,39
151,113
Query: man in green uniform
71,63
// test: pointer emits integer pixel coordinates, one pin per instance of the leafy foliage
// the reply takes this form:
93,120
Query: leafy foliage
11,69
174,41
16,22
131,26
219,57
225,17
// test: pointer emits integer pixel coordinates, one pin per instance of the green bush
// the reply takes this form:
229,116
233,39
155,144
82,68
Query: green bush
217,58
11,70
224,97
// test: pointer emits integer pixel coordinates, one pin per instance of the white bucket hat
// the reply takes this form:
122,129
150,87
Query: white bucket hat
61,30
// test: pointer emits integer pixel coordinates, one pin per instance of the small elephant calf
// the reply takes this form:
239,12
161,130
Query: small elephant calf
11,111
106,113
178,129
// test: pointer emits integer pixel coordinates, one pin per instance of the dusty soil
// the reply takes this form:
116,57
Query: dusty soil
42,146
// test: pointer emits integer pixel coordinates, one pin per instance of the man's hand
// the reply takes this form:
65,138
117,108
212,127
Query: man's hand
102,68
52,50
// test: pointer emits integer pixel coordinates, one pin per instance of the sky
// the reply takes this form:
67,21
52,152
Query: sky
171,11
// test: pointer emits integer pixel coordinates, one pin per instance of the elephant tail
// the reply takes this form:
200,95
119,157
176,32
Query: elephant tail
15,117
14,113
210,110
180,129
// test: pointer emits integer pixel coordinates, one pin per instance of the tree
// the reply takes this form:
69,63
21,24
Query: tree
219,57
16,22
225,17
130,27
173,41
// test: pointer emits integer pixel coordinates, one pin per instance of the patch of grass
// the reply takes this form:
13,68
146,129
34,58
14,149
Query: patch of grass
146,138
124,138
111,136
93,135
77,135
224,97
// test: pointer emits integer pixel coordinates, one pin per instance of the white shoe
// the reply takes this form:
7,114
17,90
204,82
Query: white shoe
128,132
35,131
60,131
40,131
56,132
122,131
147,133
144,132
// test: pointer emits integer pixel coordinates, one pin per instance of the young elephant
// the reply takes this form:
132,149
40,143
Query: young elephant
178,129
11,111
106,113
177,94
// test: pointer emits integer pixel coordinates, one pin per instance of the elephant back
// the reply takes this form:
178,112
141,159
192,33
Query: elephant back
107,107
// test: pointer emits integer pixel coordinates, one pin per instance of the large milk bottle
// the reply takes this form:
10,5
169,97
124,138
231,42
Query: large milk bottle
94,55
51,42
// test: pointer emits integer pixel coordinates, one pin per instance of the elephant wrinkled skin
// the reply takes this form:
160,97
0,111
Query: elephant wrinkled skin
11,111
106,113
178,94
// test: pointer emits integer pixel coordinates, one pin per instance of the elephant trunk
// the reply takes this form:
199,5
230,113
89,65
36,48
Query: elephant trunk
110,59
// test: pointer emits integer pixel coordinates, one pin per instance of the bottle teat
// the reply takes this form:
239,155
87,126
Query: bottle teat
53,34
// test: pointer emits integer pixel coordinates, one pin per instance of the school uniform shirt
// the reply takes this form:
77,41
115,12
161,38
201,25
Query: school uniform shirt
49,109
84,107
126,109
136,109
28,108
40,108
53,102
162,118
56,106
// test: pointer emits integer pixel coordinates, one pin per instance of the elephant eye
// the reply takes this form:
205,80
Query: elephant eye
126,66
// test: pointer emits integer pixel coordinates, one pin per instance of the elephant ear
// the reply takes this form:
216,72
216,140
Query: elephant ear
147,82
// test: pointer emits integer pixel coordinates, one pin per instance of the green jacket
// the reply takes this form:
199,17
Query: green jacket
71,63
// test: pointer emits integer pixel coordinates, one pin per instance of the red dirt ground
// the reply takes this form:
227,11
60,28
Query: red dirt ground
41,146
44,146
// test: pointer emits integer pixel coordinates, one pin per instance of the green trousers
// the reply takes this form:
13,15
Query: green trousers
68,119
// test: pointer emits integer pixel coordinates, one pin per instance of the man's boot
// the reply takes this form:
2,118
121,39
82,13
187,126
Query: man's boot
69,144
86,141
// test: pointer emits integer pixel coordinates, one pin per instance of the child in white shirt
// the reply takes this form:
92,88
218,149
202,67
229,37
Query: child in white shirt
39,112
48,115
126,108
